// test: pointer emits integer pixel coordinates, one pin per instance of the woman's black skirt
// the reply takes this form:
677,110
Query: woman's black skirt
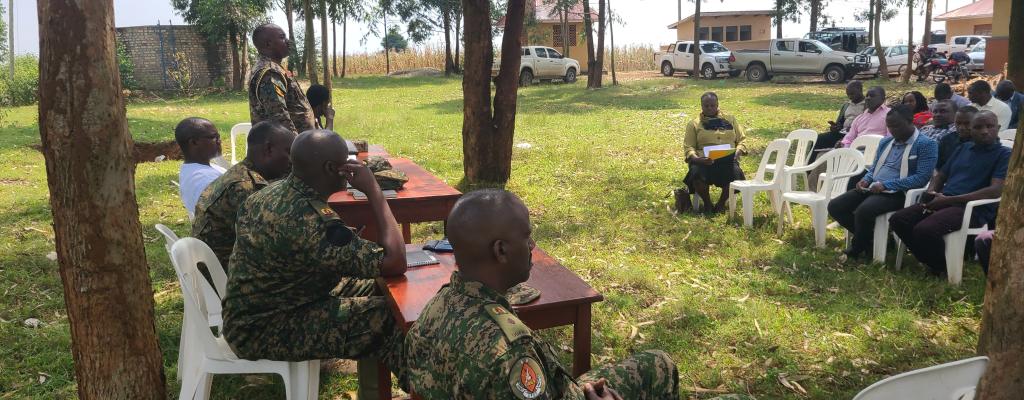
721,173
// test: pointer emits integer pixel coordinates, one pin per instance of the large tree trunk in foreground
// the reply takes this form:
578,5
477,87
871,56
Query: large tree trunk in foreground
89,173
487,137
597,74
696,40
323,44
588,29
291,31
310,48
1002,318
883,68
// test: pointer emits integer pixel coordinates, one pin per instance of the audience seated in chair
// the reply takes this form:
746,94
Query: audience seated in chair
904,161
949,142
712,128
871,121
944,92
975,171
847,114
199,142
919,106
1007,93
980,93
943,114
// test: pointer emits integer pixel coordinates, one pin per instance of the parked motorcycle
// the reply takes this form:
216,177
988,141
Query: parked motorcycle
954,68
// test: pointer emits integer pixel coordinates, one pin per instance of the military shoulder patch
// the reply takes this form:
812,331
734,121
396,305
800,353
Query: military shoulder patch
526,379
510,325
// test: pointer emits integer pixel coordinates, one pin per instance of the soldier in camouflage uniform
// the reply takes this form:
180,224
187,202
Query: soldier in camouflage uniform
266,159
273,94
291,250
468,343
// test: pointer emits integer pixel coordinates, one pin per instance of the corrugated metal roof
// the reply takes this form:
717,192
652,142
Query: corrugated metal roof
980,9
711,14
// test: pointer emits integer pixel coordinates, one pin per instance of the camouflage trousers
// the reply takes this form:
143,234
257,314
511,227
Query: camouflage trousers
648,375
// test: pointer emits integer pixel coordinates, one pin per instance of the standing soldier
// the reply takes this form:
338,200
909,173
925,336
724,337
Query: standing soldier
273,94
468,342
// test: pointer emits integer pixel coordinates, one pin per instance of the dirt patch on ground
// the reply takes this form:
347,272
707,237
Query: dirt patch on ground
412,73
146,151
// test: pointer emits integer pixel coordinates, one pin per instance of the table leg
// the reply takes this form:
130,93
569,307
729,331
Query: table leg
383,382
581,341
407,232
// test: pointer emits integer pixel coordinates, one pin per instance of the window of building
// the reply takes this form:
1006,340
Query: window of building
731,33
704,33
745,32
556,34
572,35
984,30
716,33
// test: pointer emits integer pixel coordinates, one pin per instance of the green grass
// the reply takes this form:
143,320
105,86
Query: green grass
737,308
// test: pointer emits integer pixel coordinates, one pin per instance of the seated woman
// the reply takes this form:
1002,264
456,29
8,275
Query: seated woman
320,99
919,105
711,129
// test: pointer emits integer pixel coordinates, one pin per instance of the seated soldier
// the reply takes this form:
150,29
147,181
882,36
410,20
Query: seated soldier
847,114
266,159
291,250
943,115
199,142
975,171
468,342
320,99
904,161
950,142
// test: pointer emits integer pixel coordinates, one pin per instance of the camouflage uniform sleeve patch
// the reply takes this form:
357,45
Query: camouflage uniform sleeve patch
526,379
510,325
341,250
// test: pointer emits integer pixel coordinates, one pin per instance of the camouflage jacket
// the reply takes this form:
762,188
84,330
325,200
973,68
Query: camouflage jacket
468,344
275,96
217,208
290,251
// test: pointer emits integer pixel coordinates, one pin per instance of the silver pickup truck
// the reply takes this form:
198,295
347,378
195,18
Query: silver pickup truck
799,57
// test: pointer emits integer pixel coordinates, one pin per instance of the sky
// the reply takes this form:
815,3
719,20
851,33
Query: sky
643,21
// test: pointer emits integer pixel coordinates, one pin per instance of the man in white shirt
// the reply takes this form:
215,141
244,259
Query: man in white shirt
980,93
199,142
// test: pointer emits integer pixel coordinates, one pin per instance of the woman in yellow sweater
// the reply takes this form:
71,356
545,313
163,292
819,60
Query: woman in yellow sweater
711,129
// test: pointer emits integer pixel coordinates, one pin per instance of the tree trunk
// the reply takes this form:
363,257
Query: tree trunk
458,39
236,67
487,138
310,47
387,52
871,20
883,67
696,40
323,44
927,38
611,33
815,14
90,176
344,41
907,72
291,31
563,16
334,48
1002,316
243,65
588,30
449,62
599,63
778,19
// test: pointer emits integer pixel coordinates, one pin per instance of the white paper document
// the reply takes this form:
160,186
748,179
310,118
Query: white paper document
709,149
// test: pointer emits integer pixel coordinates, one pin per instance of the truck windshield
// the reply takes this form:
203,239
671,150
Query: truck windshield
821,46
712,48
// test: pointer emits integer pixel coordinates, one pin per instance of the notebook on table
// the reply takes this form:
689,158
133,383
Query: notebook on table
418,258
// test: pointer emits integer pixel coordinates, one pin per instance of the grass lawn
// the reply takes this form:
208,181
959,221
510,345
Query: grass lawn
738,309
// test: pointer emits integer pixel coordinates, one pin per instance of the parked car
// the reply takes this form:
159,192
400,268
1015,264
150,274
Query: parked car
714,59
977,55
958,43
799,57
544,63
842,39
895,59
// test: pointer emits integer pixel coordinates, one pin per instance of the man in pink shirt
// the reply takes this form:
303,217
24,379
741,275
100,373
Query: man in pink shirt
871,121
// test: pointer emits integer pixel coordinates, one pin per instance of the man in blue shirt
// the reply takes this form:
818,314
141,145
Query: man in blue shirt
962,134
904,161
975,171
1006,92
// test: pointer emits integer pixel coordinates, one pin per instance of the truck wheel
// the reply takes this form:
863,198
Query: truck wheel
525,78
666,69
570,76
707,71
756,73
834,74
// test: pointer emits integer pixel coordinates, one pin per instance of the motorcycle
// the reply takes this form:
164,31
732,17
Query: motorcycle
940,68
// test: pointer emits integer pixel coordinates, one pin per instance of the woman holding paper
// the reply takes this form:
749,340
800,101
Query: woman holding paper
712,146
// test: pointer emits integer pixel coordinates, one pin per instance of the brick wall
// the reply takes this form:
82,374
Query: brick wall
152,48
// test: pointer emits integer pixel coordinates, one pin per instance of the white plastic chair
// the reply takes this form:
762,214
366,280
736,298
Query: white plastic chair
1008,134
779,148
212,354
169,238
840,165
955,241
221,162
241,129
802,143
1006,142
950,381
868,145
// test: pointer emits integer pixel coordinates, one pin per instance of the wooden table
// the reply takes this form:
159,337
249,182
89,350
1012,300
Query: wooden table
565,299
424,198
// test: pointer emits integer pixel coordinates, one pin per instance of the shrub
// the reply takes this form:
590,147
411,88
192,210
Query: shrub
125,67
23,89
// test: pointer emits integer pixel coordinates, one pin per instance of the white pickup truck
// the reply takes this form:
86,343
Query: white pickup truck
544,63
799,57
714,59
958,43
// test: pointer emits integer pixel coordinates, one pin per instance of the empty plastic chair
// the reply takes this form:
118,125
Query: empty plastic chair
1008,134
777,150
949,381
840,166
241,129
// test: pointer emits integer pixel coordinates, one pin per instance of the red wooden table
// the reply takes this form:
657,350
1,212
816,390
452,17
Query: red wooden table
565,299
424,198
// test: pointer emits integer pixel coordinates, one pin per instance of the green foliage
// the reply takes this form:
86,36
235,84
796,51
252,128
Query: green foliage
23,90
126,67
217,19
3,37
394,41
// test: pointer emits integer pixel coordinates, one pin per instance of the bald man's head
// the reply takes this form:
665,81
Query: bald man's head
985,128
270,41
490,233
317,156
